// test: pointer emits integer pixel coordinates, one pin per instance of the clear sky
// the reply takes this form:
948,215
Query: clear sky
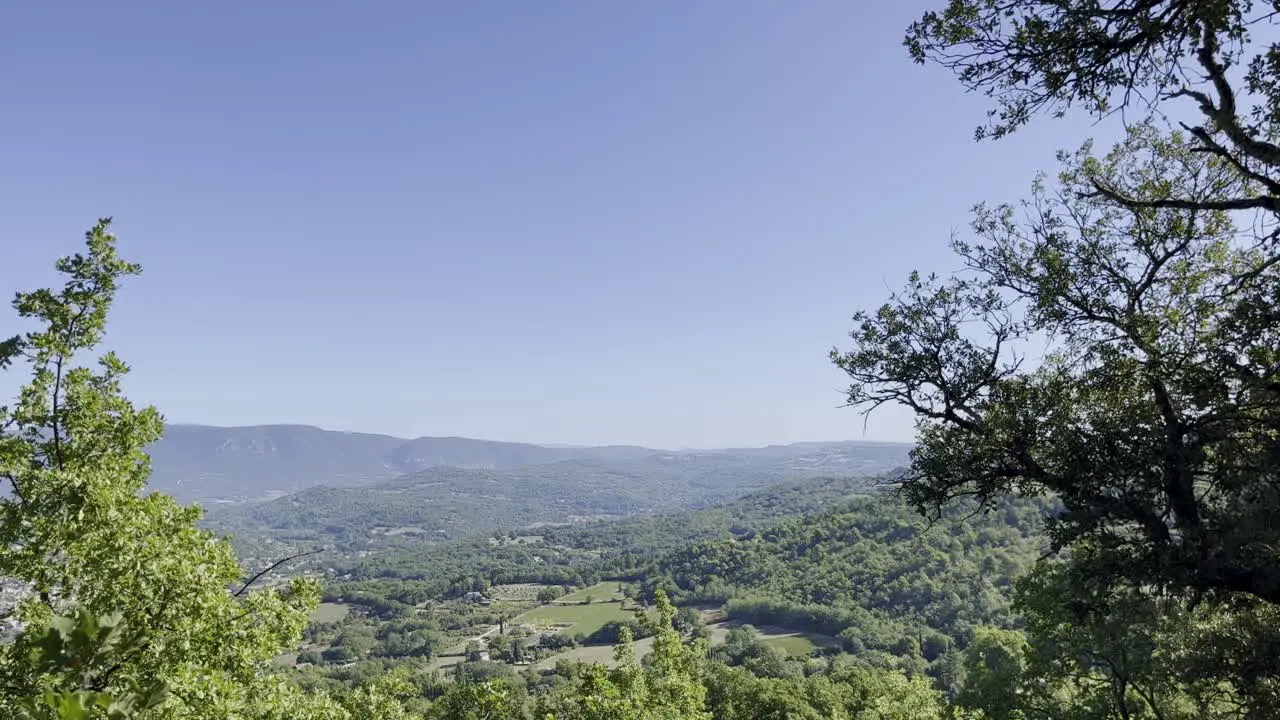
587,222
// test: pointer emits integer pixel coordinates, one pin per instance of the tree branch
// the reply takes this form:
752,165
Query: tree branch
273,566
1263,202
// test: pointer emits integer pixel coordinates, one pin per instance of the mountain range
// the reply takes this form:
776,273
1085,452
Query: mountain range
203,462
206,463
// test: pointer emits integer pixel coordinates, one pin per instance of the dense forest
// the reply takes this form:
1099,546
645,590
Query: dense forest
614,546
1087,536
579,554
874,575
448,503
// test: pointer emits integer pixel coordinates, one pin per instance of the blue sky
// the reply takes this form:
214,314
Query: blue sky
551,222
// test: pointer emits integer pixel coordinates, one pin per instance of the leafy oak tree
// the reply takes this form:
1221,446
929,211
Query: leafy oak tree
1112,341
1089,652
74,652
78,527
1154,415
1163,56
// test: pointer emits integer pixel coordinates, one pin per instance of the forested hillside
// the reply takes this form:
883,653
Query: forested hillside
842,576
754,511
874,574
580,553
448,502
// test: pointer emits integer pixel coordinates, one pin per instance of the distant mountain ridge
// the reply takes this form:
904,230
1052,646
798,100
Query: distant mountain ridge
203,462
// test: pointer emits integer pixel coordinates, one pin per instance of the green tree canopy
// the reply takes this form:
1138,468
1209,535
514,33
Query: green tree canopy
1047,56
78,527
1154,415
1111,343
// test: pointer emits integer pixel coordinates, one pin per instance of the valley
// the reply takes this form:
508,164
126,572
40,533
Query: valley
801,574
444,502
520,560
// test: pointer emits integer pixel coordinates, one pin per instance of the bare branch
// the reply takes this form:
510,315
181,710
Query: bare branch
271,567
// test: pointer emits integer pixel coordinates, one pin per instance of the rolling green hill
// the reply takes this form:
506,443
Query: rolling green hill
446,502
871,571
647,536
615,547
835,563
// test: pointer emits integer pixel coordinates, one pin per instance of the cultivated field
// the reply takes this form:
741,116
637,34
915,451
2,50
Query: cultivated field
593,654
329,612
794,645
516,592
791,642
600,592
584,619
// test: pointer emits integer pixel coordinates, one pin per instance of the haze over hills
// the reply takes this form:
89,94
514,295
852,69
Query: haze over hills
201,462
357,488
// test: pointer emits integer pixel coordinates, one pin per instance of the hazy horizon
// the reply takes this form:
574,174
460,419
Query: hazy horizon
550,444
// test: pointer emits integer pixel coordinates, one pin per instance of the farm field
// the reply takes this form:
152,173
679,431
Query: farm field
516,592
789,641
598,593
794,645
584,619
444,662
329,612
794,642
593,654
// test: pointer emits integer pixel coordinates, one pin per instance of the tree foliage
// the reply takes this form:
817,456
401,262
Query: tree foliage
1154,415
78,528
1111,344
75,652
668,686
1034,56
